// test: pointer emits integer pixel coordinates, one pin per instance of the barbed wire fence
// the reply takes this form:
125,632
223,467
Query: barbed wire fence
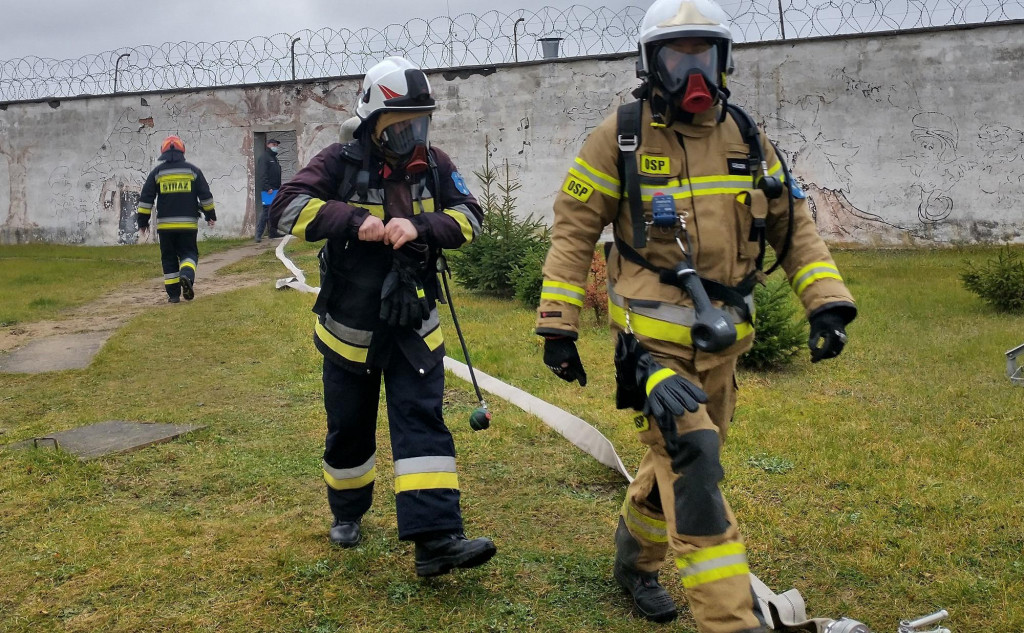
462,40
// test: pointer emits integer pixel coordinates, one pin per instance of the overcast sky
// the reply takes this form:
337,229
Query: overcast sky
68,29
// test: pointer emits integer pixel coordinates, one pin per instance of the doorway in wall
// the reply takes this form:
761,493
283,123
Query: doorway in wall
287,152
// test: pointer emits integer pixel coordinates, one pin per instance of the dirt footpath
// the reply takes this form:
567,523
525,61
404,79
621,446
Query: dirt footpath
71,342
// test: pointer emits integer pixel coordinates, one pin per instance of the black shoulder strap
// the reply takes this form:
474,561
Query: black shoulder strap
750,134
629,121
352,158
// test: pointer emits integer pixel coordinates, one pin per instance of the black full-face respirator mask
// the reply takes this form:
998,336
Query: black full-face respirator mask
686,71
406,143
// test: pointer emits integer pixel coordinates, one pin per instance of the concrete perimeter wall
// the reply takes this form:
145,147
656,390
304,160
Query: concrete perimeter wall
914,138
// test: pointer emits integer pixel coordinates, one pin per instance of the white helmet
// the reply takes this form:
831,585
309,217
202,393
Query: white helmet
674,19
394,85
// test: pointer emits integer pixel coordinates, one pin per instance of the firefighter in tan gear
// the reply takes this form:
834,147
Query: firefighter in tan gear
693,192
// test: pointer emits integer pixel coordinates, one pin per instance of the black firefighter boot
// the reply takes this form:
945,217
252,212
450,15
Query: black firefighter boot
345,533
649,597
436,555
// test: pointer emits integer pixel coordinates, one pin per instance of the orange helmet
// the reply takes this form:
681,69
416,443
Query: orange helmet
172,142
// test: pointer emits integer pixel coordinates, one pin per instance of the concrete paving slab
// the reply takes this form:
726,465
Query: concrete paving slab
54,353
108,438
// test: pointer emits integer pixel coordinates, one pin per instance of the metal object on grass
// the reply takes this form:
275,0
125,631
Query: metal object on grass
1013,369
915,626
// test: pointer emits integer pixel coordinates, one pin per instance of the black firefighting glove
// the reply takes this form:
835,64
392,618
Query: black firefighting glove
403,303
669,395
559,351
828,335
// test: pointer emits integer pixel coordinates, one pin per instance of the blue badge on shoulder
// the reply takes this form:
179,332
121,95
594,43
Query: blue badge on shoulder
460,183
798,193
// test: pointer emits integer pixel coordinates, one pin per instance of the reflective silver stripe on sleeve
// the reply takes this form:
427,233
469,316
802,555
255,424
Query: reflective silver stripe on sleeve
291,213
348,334
432,464
473,222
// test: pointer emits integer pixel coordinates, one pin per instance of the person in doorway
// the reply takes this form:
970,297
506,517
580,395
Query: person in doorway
693,191
387,203
268,174
179,193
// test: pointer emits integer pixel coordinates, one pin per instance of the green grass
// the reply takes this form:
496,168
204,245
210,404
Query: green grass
883,484
39,281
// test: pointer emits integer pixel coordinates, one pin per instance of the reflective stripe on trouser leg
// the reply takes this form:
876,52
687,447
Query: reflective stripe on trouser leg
188,253
169,264
350,400
723,604
426,484
643,517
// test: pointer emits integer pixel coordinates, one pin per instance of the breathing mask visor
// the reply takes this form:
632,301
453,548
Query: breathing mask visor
686,69
407,142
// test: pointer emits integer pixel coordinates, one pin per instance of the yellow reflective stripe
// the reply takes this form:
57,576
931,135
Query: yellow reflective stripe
343,349
460,217
706,554
590,181
208,207
775,169
376,210
663,330
420,294
550,296
647,527
657,377
813,272
349,484
171,282
700,567
422,206
188,265
565,286
597,172
178,225
434,339
145,211
307,215
815,277
561,291
719,573
426,481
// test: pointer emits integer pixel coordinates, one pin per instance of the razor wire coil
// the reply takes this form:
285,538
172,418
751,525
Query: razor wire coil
451,41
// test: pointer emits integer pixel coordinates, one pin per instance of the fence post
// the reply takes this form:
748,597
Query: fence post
117,65
515,37
293,56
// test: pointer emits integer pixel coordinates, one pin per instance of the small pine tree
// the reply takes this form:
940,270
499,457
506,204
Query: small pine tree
780,334
998,282
505,259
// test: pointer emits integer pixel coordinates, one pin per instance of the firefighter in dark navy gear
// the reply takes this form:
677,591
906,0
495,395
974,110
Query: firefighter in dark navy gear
693,192
179,193
387,203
